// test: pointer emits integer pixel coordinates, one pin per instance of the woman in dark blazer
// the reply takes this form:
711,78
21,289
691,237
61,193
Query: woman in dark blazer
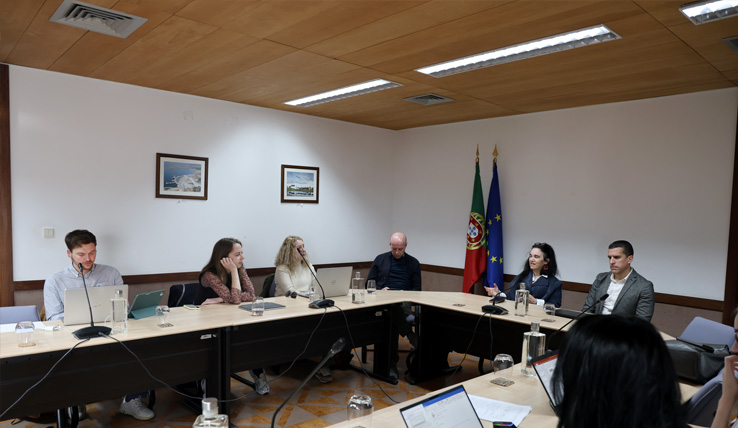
539,275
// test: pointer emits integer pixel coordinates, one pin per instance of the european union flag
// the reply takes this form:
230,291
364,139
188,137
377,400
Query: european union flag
493,224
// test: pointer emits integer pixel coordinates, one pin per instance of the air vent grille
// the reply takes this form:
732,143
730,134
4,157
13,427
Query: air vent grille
97,19
732,43
428,99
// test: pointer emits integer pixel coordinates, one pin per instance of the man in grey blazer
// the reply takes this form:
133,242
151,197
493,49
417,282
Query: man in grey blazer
630,294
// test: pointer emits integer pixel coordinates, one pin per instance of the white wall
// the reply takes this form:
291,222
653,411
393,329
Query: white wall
656,172
83,155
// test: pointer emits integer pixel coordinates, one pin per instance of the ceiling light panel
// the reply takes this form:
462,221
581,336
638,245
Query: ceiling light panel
707,11
347,92
548,45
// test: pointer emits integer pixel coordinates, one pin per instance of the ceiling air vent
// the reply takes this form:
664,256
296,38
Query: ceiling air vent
97,19
428,99
732,43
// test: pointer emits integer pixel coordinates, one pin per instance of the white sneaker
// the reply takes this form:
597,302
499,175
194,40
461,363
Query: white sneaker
136,408
261,385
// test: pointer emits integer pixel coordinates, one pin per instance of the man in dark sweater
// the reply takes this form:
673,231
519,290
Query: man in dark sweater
397,270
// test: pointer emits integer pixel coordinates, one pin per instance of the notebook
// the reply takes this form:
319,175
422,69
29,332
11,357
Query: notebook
144,304
571,314
451,408
76,310
544,367
267,306
335,281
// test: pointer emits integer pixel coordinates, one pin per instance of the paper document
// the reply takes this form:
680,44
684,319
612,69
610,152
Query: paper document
493,410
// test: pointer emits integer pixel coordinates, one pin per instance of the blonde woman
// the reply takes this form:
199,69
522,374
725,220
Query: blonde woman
293,268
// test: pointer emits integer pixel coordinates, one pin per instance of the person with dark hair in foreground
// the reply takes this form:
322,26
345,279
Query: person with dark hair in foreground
629,294
539,275
729,399
616,372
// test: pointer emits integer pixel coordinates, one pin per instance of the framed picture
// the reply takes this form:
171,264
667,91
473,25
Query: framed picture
300,184
181,177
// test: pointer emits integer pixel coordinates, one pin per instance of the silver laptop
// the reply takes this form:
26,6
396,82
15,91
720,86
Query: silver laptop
335,281
544,367
449,409
76,310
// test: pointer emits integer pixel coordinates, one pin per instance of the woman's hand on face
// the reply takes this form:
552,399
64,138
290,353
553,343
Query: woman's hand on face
730,383
228,264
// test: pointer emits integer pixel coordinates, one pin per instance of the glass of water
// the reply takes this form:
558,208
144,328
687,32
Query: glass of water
371,287
24,331
360,409
162,316
257,308
550,310
503,365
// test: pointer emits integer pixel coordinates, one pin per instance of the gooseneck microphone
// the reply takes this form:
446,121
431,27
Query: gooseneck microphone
92,331
601,299
493,308
336,348
320,303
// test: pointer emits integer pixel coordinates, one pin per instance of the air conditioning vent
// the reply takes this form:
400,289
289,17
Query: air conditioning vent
97,19
732,43
428,99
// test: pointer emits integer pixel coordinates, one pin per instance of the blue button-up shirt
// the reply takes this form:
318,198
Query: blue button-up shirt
99,276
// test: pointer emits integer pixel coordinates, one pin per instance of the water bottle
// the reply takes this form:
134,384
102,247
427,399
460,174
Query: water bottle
357,289
521,301
120,313
534,345
210,416
312,296
360,409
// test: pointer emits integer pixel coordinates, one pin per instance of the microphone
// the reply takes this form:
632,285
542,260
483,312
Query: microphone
493,308
336,348
92,331
320,303
601,299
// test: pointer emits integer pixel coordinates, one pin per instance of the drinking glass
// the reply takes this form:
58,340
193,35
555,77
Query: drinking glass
360,409
371,287
503,365
257,308
162,316
550,310
24,331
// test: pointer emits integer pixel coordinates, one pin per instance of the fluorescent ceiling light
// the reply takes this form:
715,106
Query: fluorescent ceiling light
557,43
347,92
706,11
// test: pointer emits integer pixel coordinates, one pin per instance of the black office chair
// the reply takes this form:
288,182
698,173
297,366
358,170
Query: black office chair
267,288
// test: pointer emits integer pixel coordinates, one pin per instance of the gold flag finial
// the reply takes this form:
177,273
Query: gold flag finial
495,154
477,153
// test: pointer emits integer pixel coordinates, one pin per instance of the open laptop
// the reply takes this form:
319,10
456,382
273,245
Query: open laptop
544,367
449,409
335,281
76,310
144,304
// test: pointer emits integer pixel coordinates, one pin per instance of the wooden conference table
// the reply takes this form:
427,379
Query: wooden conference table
222,339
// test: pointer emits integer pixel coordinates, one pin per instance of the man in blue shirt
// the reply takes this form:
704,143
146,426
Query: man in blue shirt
397,270
82,248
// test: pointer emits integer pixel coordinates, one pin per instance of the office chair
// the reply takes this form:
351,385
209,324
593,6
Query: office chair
15,314
702,330
267,288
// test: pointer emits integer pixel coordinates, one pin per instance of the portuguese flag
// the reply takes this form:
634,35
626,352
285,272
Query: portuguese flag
476,248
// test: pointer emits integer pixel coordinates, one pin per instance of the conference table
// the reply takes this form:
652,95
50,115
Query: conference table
218,340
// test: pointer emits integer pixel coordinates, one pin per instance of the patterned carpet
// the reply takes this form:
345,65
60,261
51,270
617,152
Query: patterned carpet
317,405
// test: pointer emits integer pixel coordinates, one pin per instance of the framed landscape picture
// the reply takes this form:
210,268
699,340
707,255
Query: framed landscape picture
181,177
300,184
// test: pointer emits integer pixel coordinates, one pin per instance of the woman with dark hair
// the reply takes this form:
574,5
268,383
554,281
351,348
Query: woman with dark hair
224,279
616,372
539,275
729,399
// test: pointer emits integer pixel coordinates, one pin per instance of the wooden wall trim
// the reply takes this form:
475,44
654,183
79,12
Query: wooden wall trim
6,216
730,298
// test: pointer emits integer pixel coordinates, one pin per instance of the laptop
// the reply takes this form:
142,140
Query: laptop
76,310
335,281
544,367
449,409
144,304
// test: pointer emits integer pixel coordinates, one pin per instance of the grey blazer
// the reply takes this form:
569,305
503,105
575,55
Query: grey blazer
635,299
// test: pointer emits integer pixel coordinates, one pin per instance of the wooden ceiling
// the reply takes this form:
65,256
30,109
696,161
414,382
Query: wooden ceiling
266,52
